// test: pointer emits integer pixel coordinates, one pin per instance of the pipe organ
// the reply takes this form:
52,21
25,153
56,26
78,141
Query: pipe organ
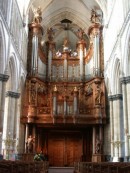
65,90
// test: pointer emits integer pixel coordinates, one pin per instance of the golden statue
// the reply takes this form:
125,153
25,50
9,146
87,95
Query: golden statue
75,89
55,88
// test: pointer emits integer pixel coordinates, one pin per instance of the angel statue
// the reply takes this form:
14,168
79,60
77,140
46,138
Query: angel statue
37,15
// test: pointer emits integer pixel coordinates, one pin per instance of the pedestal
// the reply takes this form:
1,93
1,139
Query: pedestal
97,158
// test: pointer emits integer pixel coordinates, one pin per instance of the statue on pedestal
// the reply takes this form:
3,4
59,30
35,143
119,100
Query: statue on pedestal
29,144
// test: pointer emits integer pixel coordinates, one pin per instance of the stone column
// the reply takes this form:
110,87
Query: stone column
128,112
9,125
12,96
125,113
26,136
117,125
94,32
3,80
111,126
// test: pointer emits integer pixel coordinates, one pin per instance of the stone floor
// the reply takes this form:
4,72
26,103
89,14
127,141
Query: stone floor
61,170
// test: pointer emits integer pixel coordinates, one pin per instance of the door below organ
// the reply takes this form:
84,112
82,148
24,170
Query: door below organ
65,148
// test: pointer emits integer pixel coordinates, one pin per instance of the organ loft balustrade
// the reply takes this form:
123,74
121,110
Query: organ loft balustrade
43,105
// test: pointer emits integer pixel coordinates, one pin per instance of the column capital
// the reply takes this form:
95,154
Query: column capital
12,94
115,97
4,77
125,80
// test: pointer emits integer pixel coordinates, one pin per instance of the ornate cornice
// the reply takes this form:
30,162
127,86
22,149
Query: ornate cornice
125,80
12,94
115,97
4,77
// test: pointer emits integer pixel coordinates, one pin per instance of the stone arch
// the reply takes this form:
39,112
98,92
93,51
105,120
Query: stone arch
115,76
12,71
2,49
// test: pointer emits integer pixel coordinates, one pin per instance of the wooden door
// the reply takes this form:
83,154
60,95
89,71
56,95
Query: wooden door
73,150
56,151
64,149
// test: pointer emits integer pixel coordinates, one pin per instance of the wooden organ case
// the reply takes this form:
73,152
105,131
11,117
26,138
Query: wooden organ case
64,97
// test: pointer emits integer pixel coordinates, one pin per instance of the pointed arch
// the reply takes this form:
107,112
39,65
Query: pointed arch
2,49
115,76
12,71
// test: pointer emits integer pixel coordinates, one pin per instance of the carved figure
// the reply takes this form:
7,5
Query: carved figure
75,89
66,41
66,44
89,89
29,144
95,18
55,88
50,33
98,145
80,33
37,15
98,95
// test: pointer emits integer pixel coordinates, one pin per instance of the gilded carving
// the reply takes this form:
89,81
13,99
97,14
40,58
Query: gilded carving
88,90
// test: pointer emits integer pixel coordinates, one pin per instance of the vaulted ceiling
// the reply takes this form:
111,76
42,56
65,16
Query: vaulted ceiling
77,12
